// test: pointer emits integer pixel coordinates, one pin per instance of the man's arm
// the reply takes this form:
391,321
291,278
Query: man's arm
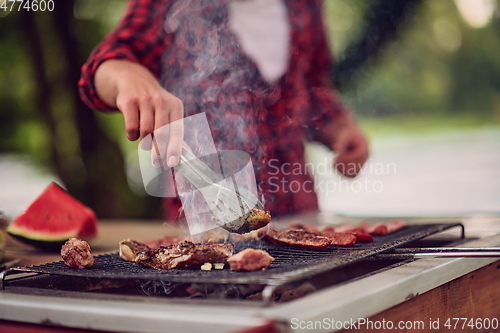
146,106
139,37
349,142
332,124
122,74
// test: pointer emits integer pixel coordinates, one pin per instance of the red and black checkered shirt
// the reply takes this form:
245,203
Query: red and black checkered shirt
188,45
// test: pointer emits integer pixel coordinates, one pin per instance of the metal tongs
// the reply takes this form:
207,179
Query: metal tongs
231,205
441,252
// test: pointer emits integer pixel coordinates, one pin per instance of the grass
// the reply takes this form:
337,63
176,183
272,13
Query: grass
425,124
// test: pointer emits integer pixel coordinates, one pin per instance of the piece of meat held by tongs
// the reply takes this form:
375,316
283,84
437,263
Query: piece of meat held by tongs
234,208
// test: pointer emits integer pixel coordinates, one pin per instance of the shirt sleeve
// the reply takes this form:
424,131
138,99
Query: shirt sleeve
326,105
139,37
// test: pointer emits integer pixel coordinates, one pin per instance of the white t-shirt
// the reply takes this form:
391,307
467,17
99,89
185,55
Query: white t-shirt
263,29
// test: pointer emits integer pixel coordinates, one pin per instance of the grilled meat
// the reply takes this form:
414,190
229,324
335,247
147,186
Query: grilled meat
309,239
302,226
300,238
259,218
361,235
164,241
129,249
346,227
381,229
250,260
395,225
256,219
377,229
185,255
249,236
76,253
336,233
339,238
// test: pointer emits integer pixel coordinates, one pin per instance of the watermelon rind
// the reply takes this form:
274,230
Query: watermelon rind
41,236
50,242
53,218
53,245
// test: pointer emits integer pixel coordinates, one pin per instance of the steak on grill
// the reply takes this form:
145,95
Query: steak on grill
250,260
340,238
382,229
300,238
361,235
185,255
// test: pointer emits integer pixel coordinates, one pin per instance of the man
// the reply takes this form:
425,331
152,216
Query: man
258,68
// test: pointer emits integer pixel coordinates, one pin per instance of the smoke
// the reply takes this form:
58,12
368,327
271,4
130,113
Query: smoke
215,187
207,205
206,68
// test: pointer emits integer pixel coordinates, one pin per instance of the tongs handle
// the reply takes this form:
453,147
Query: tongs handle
230,203
195,171
446,249
442,252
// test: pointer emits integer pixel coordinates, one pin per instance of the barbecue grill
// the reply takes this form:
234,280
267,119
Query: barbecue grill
332,270
291,264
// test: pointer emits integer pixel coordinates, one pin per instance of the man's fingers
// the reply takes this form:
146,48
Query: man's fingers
129,109
352,152
349,168
159,113
352,156
340,145
161,128
146,122
155,153
147,117
176,137
175,143
168,127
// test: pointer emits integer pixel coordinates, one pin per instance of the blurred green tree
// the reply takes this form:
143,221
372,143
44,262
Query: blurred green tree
66,134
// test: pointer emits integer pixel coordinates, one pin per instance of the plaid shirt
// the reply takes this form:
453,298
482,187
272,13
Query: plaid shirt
188,45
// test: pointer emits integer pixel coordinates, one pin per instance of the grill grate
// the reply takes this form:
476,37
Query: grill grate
291,264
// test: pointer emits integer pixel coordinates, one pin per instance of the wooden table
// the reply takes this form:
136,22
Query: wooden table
109,235
475,295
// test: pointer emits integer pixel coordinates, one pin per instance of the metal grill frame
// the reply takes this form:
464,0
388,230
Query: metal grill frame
292,263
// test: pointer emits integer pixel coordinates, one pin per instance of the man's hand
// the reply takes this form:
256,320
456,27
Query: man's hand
351,145
145,105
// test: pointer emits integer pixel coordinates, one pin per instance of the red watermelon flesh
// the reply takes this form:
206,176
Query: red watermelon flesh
54,217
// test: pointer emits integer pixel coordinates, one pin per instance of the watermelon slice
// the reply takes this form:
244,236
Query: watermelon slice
53,218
